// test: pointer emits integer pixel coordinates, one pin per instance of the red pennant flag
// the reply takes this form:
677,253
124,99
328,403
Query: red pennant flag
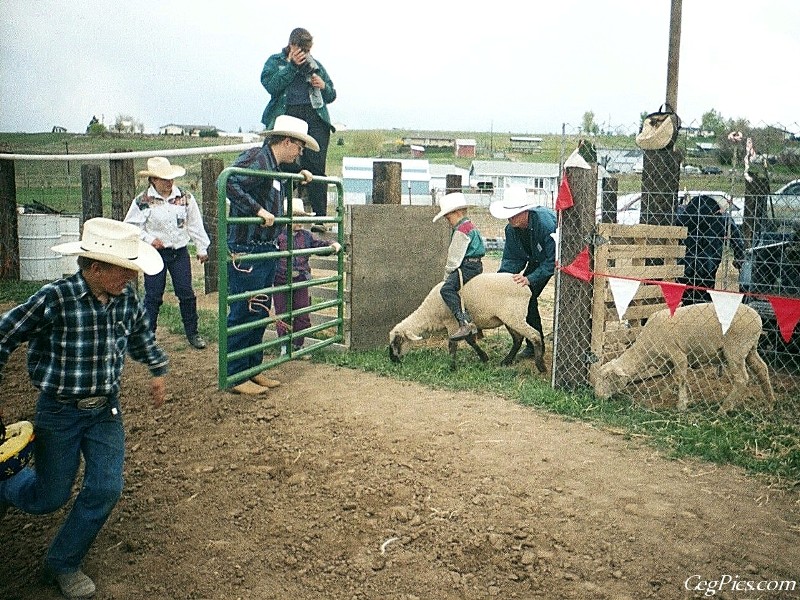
787,313
580,266
673,294
564,198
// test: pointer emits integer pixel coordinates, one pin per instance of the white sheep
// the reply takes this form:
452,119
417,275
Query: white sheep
492,300
693,336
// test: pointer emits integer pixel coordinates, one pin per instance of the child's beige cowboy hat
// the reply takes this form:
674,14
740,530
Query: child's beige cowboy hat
294,128
449,203
160,167
515,200
116,243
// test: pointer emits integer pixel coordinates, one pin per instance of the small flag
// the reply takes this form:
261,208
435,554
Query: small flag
580,266
564,199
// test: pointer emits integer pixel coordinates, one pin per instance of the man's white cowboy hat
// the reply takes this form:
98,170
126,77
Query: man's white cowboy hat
294,128
158,166
299,209
116,243
449,203
515,200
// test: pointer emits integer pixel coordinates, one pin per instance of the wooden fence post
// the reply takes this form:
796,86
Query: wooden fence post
572,339
210,169
91,191
9,238
452,183
387,182
661,174
123,185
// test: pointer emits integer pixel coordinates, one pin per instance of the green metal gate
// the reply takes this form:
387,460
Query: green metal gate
225,300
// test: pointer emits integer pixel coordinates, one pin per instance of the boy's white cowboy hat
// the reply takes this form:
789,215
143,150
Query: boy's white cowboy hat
449,203
295,128
116,243
515,200
160,167
299,209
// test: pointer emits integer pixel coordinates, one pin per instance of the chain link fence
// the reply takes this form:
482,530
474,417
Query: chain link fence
715,214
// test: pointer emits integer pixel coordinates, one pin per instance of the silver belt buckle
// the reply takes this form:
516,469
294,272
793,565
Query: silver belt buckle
94,402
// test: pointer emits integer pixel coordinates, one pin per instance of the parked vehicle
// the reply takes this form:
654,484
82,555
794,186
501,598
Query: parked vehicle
710,170
629,206
772,266
690,170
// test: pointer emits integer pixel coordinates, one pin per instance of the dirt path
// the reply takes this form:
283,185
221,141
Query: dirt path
346,485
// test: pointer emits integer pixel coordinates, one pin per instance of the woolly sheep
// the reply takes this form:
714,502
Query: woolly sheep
492,300
692,335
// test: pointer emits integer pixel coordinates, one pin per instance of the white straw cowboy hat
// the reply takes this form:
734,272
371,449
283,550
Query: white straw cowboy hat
158,166
299,209
294,128
515,200
116,243
449,203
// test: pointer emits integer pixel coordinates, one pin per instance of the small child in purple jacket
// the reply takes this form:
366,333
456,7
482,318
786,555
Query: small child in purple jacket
301,271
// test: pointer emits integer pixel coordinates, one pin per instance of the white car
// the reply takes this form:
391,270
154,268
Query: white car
629,206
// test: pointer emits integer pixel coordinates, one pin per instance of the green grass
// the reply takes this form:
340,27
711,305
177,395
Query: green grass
768,446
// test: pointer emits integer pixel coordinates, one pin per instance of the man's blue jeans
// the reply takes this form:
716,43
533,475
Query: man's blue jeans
64,433
247,277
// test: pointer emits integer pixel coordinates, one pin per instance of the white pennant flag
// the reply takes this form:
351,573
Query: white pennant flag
623,291
725,304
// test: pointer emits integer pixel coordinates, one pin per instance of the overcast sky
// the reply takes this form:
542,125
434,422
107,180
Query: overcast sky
521,67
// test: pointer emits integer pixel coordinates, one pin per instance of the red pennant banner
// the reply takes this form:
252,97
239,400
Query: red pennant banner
579,267
564,198
673,294
787,313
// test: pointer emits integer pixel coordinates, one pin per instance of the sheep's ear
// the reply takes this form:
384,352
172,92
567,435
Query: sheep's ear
413,337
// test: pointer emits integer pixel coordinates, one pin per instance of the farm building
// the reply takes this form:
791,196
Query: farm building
194,130
526,144
357,180
488,175
465,148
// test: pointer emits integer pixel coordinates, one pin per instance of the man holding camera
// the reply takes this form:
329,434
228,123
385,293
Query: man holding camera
299,86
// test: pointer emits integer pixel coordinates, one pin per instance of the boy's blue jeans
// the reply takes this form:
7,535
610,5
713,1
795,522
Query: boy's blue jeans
64,433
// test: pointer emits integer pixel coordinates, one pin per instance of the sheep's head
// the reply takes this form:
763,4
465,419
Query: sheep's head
400,344
610,379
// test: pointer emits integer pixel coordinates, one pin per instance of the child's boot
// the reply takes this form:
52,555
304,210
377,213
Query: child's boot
466,327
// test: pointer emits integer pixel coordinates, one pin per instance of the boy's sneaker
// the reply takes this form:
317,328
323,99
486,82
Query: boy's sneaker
75,585
463,332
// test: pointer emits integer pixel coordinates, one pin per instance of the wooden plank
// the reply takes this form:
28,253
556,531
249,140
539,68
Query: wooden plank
618,251
617,230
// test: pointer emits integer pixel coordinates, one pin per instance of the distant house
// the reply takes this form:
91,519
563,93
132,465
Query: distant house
417,151
59,129
492,175
465,148
193,130
621,160
357,180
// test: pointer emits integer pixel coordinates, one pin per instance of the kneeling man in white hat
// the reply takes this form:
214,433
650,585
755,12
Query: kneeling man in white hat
78,331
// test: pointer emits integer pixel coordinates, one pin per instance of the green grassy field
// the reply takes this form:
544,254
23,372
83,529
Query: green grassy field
58,183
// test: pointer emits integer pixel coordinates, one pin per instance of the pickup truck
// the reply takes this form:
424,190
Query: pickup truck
772,266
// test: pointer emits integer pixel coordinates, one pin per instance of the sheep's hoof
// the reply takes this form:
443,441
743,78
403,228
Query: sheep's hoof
540,365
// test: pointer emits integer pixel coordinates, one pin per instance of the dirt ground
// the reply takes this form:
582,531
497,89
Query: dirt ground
341,484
